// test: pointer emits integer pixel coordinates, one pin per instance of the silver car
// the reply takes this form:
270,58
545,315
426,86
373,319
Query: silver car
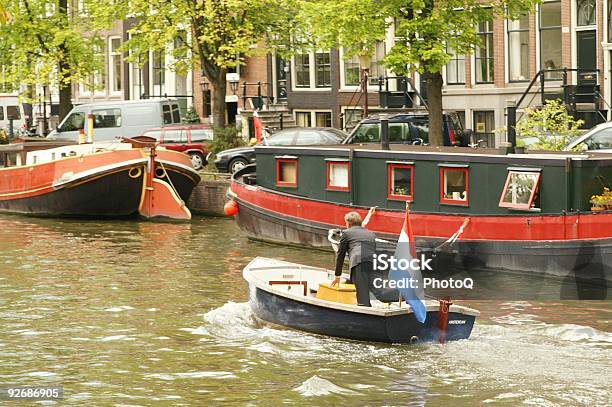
599,139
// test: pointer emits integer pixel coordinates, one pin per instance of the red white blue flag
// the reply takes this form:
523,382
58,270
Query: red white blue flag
413,293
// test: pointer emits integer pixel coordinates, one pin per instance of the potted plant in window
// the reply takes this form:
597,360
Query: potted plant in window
603,201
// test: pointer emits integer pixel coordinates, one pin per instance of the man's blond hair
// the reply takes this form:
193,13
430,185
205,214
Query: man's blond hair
353,219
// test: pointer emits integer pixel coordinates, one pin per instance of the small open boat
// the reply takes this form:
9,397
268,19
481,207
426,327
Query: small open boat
299,297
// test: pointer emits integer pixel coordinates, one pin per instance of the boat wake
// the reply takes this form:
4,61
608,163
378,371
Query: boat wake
503,352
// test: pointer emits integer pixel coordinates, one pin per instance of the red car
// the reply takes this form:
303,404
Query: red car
191,139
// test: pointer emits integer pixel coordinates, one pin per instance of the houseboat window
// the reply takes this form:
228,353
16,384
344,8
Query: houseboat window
1,113
454,185
401,181
107,118
286,172
520,190
338,176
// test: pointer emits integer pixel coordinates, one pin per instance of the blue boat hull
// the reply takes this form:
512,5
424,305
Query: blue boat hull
321,320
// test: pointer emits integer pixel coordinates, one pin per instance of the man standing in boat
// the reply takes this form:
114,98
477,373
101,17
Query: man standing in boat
360,244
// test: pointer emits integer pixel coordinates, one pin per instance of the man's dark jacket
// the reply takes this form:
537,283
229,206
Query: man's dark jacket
359,243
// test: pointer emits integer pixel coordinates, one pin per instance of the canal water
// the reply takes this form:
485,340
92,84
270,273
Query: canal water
142,313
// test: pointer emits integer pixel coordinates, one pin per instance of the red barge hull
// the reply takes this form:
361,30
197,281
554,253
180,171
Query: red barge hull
107,184
567,245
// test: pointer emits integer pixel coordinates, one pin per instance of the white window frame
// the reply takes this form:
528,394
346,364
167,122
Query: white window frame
351,88
111,66
313,115
312,74
539,35
507,55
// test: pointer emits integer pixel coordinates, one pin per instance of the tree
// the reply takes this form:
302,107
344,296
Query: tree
50,44
424,31
215,35
551,125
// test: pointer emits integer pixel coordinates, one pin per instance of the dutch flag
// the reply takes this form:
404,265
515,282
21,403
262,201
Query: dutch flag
406,249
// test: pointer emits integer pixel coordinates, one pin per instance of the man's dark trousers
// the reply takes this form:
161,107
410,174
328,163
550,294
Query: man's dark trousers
360,276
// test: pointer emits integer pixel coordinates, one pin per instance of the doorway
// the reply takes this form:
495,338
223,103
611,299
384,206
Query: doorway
587,57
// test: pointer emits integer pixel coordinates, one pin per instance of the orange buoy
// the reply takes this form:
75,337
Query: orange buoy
230,208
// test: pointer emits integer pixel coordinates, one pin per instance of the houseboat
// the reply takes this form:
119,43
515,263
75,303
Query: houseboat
484,208
95,180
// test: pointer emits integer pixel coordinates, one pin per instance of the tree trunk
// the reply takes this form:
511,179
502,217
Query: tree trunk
434,100
65,89
65,99
218,99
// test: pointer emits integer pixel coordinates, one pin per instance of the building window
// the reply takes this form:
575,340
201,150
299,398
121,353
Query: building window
99,75
484,124
338,178
114,64
323,119
302,71
136,79
550,38
586,12
286,172
350,118
302,119
322,70
455,68
520,190
400,179
313,119
609,21
484,53
518,49
454,185
352,68
158,73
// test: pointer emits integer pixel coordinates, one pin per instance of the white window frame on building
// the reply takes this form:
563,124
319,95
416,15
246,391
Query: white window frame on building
355,115
157,89
115,63
457,65
549,63
312,116
312,72
514,32
377,69
489,57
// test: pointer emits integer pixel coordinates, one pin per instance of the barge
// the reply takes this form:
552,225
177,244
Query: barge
95,180
520,212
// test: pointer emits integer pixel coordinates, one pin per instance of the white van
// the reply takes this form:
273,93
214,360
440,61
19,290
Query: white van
119,119
10,107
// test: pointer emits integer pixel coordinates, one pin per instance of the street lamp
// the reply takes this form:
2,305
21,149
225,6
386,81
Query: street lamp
204,85
234,86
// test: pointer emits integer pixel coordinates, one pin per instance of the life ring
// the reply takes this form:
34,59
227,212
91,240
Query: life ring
136,174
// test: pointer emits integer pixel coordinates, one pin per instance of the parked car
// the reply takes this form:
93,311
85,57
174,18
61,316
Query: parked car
599,138
119,118
406,128
194,140
235,159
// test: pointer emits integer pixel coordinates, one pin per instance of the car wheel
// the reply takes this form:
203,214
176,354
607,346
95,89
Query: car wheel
197,160
237,164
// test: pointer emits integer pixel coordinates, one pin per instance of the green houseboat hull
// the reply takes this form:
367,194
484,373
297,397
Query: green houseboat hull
561,236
